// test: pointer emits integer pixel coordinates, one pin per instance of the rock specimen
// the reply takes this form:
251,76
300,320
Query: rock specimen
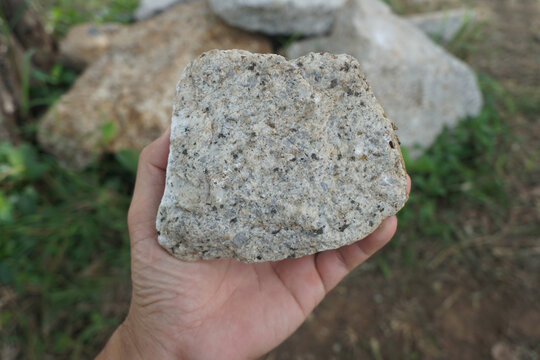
443,25
273,17
149,8
421,86
273,159
124,99
85,43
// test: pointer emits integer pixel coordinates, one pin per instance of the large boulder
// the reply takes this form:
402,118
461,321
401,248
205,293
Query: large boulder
273,159
124,99
421,87
274,17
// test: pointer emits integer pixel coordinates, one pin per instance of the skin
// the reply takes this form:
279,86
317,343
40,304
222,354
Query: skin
220,309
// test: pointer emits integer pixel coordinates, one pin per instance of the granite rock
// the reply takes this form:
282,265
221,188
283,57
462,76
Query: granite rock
274,17
129,90
272,159
149,8
443,25
420,85
85,43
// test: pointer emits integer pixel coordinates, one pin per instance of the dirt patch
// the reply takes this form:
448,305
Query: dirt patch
444,314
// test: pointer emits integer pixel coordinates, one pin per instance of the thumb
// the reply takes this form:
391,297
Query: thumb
149,188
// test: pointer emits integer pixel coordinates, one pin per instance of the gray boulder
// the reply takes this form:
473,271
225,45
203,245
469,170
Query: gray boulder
273,159
275,17
421,87
149,8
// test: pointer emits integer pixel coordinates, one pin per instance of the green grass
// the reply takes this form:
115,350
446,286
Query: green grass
48,87
64,246
467,39
62,14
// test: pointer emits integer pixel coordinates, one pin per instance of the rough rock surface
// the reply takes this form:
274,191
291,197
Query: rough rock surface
85,43
273,159
421,87
131,87
273,17
149,8
443,25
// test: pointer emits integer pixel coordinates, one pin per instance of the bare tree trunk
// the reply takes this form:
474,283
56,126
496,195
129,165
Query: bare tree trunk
21,35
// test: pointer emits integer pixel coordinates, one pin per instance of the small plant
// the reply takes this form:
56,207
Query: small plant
47,88
282,43
465,42
62,14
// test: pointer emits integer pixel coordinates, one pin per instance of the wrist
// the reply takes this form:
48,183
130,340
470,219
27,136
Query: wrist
129,342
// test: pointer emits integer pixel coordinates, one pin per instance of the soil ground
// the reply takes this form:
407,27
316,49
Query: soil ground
479,298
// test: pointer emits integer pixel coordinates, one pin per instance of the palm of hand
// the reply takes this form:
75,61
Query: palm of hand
223,308
230,309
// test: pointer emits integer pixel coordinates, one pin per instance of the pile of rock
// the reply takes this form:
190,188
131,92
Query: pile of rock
132,70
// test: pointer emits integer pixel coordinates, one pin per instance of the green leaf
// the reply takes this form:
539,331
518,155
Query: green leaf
385,268
6,209
108,132
128,159
34,168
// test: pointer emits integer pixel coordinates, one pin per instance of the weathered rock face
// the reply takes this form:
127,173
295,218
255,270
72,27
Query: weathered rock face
85,43
273,159
421,87
130,88
443,25
149,8
273,17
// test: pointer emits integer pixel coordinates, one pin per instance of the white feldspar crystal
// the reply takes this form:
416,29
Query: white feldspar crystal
271,159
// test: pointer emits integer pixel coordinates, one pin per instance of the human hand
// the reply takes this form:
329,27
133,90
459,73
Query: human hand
219,309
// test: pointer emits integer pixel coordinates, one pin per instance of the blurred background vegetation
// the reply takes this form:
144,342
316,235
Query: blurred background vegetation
64,248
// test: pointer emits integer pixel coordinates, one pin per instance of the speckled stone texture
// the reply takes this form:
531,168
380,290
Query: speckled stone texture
272,159
274,17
